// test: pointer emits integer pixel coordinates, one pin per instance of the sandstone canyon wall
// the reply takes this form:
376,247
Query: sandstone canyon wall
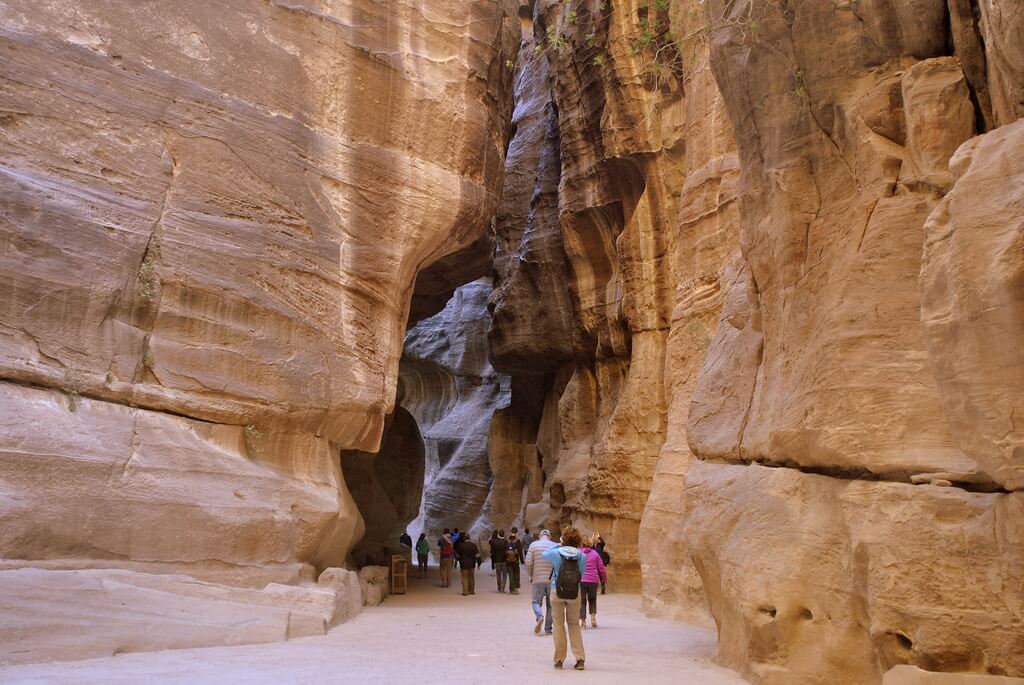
847,411
452,390
612,238
758,286
387,486
213,218
750,306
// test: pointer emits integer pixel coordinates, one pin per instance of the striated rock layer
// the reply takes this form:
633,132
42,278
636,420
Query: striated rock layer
214,216
611,240
888,529
766,276
453,392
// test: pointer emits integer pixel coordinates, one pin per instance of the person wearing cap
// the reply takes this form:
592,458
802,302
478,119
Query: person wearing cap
539,571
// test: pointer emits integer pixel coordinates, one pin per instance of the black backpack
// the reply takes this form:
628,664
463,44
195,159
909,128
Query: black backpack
568,584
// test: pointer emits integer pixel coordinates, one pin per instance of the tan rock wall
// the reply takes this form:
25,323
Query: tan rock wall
772,261
93,483
214,217
643,225
843,351
814,579
164,155
973,301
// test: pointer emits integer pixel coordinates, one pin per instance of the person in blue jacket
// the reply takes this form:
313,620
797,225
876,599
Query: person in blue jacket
565,599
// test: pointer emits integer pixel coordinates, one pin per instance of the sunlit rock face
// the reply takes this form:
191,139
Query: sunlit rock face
873,227
214,217
783,382
453,392
610,243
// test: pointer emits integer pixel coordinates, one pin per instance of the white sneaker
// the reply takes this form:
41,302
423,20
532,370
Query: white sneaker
593,620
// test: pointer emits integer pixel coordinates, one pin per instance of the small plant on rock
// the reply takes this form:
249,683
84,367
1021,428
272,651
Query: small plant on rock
252,439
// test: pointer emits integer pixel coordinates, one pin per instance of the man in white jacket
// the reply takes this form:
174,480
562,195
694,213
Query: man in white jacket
539,572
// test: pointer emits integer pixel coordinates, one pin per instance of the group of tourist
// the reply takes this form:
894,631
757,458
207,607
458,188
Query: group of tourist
564,577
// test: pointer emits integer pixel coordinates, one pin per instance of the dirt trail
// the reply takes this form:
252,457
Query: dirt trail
431,635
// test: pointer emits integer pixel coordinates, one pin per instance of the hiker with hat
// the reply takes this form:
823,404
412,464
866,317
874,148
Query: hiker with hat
539,572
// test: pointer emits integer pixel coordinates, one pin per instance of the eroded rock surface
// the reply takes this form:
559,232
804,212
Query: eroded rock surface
452,391
611,240
786,246
214,217
843,360
972,283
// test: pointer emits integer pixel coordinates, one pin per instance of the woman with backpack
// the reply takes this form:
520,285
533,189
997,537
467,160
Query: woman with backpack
569,566
588,585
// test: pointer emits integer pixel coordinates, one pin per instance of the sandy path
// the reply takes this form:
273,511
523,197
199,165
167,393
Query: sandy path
431,635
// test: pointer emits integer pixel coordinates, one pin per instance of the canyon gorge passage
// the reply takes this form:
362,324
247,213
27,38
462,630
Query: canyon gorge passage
737,283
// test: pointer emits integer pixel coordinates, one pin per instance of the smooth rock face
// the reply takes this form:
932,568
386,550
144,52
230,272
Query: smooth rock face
911,675
91,482
214,217
533,327
831,229
105,612
1001,23
452,391
704,265
316,177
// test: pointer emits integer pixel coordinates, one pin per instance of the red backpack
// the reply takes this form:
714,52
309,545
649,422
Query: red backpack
446,550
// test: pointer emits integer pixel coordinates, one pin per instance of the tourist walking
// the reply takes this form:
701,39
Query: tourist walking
513,555
498,558
527,541
468,557
588,585
538,570
597,543
456,536
422,550
446,554
569,565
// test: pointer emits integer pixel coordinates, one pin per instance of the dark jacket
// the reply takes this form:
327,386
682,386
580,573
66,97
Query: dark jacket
498,550
468,553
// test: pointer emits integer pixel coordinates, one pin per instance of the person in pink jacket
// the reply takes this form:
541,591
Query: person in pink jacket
594,575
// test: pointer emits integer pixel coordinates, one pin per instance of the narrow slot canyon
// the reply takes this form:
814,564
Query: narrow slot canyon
738,284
